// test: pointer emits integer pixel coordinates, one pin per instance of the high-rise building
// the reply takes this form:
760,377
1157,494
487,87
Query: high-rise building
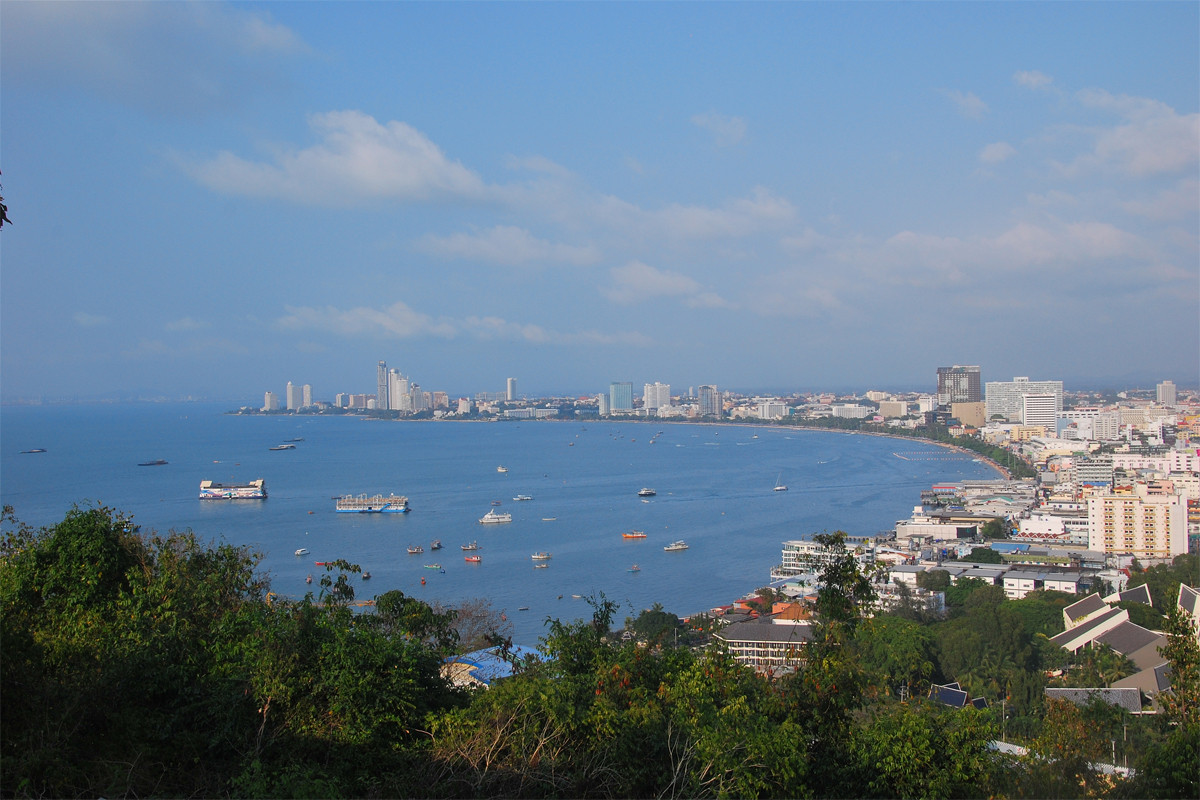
602,404
270,402
710,401
656,395
306,395
381,386
1039,410
958,384
399,392
620,396
293,396
1166,393
510,389
1138,524
1004,397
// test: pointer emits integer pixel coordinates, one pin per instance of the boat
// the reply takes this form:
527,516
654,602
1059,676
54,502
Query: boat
158,462
308,579
436,544
284,446
673,546
434,566
319,563
541,566
471,546
501,468
647,493
415,549
34,450
541,555
493,516
472,559
366,576
521,497
633,535
635,568
303,551
549,519
374,504
522,608
254,490
297,439
495,502
779,485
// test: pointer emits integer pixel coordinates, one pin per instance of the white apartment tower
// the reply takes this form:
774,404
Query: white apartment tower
270,402
1004,397
1141,525
710,401
656,395
1166,393
510,389
1039,410
306,395
293,396
381,386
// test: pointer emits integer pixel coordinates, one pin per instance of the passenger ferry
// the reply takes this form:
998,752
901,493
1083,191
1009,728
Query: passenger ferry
254,490
375,504
494,516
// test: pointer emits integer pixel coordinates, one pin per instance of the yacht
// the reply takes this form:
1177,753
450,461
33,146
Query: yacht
501,468
493,516
673,546
647,493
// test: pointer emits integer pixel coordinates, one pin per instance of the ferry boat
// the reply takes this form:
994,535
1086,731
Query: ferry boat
633,535
541,555
254,490
493,517
415,549
375,504
647,493
471,546
472,559
673,546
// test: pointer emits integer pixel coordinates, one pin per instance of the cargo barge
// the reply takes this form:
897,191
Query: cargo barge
376,504
254,490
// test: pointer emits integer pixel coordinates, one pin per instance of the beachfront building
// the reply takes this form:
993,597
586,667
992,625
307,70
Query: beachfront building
1139,523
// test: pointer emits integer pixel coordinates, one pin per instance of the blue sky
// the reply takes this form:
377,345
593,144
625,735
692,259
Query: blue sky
214,199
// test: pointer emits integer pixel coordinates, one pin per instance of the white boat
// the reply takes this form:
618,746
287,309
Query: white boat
541,566
493,517
541,556
521,497
647,493
471,546
501,468
779,485
303,551
673,546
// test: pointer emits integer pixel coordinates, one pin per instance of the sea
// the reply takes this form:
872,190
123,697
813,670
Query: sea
714,488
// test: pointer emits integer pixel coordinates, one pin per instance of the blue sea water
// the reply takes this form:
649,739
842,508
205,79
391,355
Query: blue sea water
714,488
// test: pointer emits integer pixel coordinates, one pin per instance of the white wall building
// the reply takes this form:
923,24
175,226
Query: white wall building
1004,397
1040,410
1147,527
270,402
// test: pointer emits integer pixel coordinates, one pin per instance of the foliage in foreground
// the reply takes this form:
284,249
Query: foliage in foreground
147,665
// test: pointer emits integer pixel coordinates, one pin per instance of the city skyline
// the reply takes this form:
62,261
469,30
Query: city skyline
764,196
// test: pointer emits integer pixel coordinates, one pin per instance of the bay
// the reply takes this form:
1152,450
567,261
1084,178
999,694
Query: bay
714,487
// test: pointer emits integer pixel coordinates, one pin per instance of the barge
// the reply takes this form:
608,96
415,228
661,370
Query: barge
254,490
375,504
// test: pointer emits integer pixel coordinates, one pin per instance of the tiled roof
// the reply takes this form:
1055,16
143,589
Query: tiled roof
756,631
1088,605
1127,638
1189,600
1129,699
1138,594
1082,631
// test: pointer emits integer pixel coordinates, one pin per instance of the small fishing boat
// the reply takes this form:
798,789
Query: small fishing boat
543,565
675,546
541,555
633,535
366,576
501,468
434,566
436,544
471,546
415,549
472,559
522,608
522,497
308,579
635,568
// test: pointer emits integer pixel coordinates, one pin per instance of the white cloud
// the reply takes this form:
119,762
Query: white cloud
636,282
726,130
968,104
1154,139
358,159
86,320
996,152
506,244
165,58
537,164
1181,201
1032,79
397,320
185,324
742,216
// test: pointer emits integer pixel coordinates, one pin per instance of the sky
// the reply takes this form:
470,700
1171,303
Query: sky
213,199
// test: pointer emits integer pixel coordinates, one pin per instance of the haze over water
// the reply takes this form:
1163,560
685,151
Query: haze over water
714,488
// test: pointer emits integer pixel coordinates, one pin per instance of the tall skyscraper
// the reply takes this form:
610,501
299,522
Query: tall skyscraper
710,401
381,386
1039,409
620,396
656,395
293,397
270,402
510,389
1166,393
958,384
1004,397
306,395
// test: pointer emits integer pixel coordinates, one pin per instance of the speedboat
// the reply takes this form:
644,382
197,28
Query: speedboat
673,546
302,551
501,468
647,493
